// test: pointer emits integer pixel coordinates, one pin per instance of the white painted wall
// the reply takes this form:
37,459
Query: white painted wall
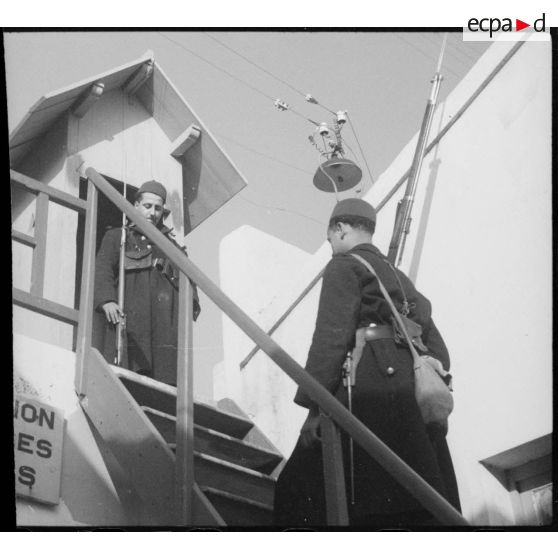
87,493
259,389
480,249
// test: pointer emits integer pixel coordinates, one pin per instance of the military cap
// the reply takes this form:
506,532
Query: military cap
153,187
354,207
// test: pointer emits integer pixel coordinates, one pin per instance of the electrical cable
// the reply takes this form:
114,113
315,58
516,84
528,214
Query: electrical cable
455,54
361,150
266,71
254,64
331,179
263,154
461,49
281,209
247,84
414,46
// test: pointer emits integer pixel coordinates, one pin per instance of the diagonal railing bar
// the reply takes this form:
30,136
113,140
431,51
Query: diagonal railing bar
406,476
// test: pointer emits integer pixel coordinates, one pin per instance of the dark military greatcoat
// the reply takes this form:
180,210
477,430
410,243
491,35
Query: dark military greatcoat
150,304
383,399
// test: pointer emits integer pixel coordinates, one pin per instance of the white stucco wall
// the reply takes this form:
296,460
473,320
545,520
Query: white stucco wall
45,372
259,389
480,249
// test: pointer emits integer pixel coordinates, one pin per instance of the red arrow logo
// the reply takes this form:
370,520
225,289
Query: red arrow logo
519,25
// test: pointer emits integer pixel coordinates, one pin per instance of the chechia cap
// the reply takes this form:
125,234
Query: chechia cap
354,207
153,187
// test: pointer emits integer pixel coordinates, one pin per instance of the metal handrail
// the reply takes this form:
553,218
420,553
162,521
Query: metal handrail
405,475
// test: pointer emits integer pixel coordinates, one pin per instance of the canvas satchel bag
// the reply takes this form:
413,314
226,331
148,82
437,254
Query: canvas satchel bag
432,382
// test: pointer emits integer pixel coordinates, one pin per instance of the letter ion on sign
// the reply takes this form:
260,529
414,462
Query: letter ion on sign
38,435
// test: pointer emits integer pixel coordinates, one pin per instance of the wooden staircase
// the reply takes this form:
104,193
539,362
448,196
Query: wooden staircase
235,466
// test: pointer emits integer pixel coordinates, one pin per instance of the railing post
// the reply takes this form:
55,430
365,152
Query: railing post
334,475
184,404
39,252
85,324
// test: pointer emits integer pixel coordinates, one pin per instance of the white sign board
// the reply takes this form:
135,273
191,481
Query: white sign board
38,438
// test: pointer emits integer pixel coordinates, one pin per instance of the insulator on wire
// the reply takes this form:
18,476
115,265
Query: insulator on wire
281,105
323,129
341,117
310,98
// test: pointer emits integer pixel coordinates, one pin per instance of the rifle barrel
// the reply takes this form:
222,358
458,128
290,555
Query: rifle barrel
403,217
121,280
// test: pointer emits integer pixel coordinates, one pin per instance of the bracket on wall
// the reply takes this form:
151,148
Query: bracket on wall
87,99
138,78
185,140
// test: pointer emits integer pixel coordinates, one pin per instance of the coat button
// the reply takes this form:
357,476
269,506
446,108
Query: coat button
390,370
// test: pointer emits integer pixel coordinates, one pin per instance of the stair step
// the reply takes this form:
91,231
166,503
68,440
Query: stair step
218,445
162,397
239,511
233,479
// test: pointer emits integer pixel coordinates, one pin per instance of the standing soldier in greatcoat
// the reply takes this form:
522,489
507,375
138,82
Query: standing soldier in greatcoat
150,293
383,395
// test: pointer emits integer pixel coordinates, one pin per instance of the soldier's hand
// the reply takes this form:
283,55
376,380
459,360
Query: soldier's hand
310,431
112,312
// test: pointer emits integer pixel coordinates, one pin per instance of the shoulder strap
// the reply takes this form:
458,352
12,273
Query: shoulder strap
390,303
406,305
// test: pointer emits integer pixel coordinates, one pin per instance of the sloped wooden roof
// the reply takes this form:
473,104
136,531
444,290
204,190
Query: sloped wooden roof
51,106
214,178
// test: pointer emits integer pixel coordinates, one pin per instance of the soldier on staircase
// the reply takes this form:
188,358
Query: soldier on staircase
150,294
383,395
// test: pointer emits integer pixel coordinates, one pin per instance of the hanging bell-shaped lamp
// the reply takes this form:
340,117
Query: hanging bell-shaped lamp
343,172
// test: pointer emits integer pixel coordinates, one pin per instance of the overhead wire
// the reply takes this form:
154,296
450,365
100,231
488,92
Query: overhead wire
255,64
461,48
298,91
261,68
456,54
360,148
218,68
415,47
263,154
285,210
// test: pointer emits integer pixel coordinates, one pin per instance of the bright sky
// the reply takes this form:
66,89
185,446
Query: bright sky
381,78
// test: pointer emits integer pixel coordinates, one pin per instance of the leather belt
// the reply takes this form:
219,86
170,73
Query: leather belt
364,335
375,332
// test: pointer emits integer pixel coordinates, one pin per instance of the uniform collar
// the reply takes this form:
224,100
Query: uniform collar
163,228
365,247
